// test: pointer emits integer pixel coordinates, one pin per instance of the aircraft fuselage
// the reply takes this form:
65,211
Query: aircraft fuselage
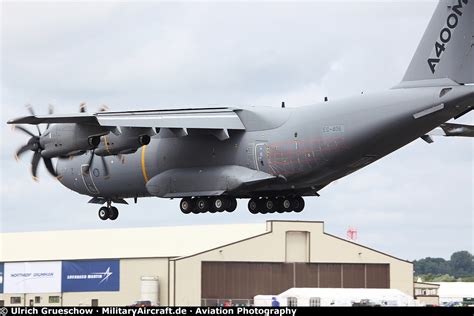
306,148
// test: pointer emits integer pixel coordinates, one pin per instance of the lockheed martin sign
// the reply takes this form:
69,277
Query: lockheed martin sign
90,275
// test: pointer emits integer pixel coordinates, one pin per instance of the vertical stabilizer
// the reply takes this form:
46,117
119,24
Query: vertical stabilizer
447,47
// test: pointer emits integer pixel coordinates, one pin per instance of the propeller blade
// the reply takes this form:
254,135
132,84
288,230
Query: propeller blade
34,164
82,107
32,112
91,160
24,130
22,150
106,168
49,166
50,111
30,109
103,108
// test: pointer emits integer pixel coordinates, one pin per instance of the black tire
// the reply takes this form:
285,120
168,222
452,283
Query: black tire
218,204
104,213
253,206
232,205
285,204
202,205
269,205
186,205
113,213
282,204
298,203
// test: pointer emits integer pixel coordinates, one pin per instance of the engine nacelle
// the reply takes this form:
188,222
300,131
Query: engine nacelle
128,142
63,140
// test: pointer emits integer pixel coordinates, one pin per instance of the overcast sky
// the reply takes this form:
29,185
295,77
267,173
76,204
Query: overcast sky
414,203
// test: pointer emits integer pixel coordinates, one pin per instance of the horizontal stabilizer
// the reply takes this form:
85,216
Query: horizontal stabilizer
450,129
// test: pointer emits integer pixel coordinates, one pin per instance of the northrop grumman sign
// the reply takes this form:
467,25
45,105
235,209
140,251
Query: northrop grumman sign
32,277
91,275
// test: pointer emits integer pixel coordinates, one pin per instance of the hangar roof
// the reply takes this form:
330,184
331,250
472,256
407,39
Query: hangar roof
177,242
124,242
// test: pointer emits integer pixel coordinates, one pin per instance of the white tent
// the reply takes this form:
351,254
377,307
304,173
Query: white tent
337,297
454,291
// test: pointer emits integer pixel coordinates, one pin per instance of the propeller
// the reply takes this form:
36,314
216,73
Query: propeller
102,108
91,160
34,145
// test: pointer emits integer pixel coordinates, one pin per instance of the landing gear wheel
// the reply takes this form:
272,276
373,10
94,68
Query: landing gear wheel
298,204
218,204
232,205
113,213
253,206
186,205
280,204
285,205
202,205
269,205
104,213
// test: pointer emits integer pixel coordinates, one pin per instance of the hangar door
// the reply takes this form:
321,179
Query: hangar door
244,280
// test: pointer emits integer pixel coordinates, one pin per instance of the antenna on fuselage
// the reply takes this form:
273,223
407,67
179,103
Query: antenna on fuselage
283,104
325,99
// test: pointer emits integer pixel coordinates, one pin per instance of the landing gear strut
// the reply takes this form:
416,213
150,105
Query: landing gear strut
203,204
264,205
108,212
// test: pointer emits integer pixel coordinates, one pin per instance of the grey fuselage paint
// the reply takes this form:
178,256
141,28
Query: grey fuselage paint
308,146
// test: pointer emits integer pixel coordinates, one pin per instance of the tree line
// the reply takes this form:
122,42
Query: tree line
460,267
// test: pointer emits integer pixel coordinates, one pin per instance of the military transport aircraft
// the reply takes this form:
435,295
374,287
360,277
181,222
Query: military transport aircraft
210,157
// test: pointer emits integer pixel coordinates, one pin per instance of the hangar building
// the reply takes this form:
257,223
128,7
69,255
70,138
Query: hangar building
188,265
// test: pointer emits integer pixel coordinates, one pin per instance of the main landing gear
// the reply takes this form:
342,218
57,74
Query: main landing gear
215,204
108,212
264,205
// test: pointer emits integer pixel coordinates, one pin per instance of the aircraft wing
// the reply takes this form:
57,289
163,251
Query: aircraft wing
192,118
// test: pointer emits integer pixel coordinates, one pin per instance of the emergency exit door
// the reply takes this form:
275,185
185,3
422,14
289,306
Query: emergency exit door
261,155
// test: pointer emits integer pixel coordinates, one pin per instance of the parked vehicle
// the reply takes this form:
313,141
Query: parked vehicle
141,304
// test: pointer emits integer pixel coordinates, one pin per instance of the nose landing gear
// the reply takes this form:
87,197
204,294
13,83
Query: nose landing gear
108,212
